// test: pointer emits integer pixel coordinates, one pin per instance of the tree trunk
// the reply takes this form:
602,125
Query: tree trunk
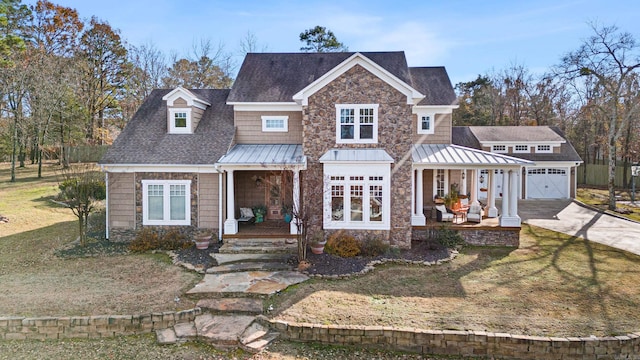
14,148
612,173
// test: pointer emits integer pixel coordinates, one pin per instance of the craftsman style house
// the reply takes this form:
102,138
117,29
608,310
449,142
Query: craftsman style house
359,141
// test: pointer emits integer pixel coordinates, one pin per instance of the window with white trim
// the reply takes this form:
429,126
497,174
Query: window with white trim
544,149
499,148
166,202
358,201
357,123
426,123
275,123
180,121
521,148
440,182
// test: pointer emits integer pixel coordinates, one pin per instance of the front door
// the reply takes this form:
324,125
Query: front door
273,195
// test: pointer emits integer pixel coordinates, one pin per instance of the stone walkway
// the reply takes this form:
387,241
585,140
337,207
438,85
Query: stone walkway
231,300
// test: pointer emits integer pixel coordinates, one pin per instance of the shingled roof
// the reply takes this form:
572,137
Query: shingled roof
276,77
145,139
473,136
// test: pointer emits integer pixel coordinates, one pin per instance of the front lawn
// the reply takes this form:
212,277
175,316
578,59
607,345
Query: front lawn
599,198
553,285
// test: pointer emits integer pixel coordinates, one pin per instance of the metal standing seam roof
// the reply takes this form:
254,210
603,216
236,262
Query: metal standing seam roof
446,154
356,155
264,154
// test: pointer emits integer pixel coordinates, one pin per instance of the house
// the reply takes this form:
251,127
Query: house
359,140
553,172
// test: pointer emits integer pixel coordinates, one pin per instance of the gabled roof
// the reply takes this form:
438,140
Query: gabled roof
277,77
145,139
468,136
454,155
191,98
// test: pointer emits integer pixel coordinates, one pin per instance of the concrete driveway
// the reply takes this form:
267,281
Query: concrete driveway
569,217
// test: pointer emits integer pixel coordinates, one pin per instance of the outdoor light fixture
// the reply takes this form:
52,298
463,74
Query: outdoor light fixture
463,175
481,179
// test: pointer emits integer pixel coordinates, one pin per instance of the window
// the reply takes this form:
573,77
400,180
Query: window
499,148
358,201
425,124
357,124
544,149
166,202
521,149
180,121
440,182
275,123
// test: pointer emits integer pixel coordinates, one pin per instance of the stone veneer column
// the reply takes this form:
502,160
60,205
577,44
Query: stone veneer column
231,224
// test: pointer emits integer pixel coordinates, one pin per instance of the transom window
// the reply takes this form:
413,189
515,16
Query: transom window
166,202
358,202
499,148
180,121
357,123
521,148
275,123
544,149
425,124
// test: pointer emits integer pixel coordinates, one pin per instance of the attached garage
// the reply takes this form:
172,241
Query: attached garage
547,183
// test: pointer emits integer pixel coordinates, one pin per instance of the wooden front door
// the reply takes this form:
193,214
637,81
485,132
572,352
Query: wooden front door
273,196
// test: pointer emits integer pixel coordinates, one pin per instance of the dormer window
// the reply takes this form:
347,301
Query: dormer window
180,121
521,149
499,148
425,123
357,124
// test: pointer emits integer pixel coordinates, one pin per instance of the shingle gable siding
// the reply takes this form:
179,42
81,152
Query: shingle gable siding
358,86
249,128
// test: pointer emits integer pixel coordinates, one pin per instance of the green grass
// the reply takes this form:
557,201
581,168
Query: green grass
599,198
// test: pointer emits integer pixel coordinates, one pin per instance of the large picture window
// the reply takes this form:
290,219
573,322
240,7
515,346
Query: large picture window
357,123
357,201
166,202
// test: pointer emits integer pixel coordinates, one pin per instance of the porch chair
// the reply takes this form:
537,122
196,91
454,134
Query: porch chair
474,214
442,214
246,216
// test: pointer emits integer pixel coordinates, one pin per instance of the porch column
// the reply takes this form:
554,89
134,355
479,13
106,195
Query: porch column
463,188
474,188
418,218
491,210
231,224
509,216
293,228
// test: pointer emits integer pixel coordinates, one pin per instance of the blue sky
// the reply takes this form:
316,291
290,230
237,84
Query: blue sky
467,37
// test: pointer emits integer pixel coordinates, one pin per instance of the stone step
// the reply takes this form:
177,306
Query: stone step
222,259
246,283
256,337
260,241
251,266
166,336
223,331
250,249
232,305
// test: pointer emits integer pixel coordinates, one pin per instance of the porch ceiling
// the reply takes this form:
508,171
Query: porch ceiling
264,156
448,155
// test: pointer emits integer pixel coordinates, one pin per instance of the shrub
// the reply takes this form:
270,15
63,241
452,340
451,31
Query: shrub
146,239
343,245
374,247
448,237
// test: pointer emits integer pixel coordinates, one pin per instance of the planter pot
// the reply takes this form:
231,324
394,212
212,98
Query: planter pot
287,218
318,248
202,242
259,218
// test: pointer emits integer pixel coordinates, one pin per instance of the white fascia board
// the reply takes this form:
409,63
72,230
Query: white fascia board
413,95
192,100
433,109
265,106
523,142
130,168
555,164
262,166
471,166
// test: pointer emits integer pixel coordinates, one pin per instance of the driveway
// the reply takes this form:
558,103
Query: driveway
569,217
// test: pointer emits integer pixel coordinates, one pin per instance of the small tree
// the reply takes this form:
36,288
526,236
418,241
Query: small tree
319,39
80,189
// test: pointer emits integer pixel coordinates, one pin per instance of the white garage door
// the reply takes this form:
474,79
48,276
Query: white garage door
547,183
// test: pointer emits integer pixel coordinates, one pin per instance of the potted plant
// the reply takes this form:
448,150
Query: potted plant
259,211
286,213
317,242
202,240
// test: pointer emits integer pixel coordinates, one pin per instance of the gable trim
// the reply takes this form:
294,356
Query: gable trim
413,95
191,98
265,106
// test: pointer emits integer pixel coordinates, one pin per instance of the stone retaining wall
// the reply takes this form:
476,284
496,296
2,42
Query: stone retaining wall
465,343
39,328
478,236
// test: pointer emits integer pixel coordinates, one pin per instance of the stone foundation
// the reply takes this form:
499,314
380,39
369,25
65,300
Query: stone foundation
127,235
478,236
